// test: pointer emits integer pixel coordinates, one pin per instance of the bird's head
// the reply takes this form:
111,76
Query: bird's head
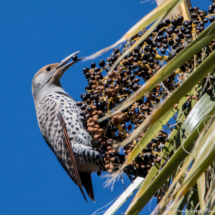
48,77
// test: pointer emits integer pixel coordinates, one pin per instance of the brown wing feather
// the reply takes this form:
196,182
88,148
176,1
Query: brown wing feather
87,183
74,168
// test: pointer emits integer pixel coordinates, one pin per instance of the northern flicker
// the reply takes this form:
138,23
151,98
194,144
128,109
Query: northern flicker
52,103
63,128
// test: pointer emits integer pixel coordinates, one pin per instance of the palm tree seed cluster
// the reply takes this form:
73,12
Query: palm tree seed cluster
104,92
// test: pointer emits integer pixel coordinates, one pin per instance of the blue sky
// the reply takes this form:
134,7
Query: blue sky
33,34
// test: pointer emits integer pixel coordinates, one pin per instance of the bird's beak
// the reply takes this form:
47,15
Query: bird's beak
64,65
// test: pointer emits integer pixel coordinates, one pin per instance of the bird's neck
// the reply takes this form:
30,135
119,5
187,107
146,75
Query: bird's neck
47,90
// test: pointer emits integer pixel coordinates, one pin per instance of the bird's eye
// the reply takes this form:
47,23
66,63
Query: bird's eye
48,69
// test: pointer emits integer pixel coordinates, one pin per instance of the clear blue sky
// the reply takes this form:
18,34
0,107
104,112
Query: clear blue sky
33,34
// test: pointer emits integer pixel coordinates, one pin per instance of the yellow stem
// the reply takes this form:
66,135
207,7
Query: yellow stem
159,57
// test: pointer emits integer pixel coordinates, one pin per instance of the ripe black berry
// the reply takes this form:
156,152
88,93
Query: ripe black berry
74,57
85,70
102,63
93,65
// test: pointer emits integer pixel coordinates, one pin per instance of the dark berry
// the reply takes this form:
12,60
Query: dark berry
201,23
102,63
159,39
151,59
205,20
132,77
194,15
188,36
159,45
153,54
185,23
115,50
128,72
136,50
187,32
151,65
146,56
109,81
154,44
79,103
105,85
113,58
173,21
176,30
190,22
87,75
83,113
149,42
163,51
190,27
167,22
97,69
85,70
110,63
74,57
88,87
93,65
165,41
211,19
146,48
210,9
160,32
183,29
174,46
135,87
180,34
201,28
169,30
84,96
83,107
108,59
180,19
178,39
165,46
171,42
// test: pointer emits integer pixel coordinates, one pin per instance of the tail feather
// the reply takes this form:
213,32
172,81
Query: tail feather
87,183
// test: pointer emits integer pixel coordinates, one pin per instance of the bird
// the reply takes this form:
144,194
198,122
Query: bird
63,128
